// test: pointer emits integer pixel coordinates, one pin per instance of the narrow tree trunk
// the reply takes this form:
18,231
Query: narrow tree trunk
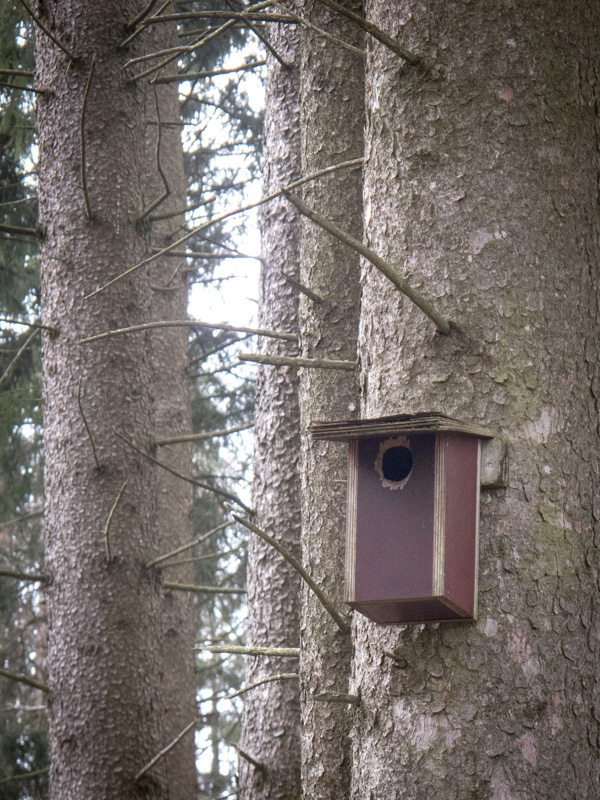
172,416
104,608
332,126
480,183
271,722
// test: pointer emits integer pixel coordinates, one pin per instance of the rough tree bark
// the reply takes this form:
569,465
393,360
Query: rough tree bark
104,658
271,722
172,416
332,132
481,181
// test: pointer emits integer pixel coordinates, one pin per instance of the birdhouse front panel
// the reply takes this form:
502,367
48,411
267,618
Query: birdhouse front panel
412,517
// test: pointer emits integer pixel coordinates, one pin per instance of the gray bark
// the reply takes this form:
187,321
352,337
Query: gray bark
481,182
172,416
271,721
104,639
332,127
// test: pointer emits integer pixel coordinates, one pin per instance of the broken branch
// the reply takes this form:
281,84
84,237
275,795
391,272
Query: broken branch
50,35
327,604
24,680
337,697
88,208
279,652
375,32
166,749
302,288
19,575
188,587
188,546
441,322
200,437
109,520
22,349
219,326
288,361
87,427
195,76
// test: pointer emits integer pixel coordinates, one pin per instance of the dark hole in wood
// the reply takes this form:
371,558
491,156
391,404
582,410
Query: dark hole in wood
396,464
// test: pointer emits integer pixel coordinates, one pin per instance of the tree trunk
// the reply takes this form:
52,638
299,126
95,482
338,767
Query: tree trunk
332,128
104,659
481,182
271,721
172,416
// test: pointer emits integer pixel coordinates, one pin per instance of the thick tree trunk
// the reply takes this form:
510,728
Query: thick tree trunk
104,608
271,722
481,182
332,130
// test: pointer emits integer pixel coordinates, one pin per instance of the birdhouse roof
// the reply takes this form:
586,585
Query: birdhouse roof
423,422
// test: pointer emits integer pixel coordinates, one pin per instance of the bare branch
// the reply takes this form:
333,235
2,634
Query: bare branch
18,231
109,520
23,73
375,32
355,162
319,31
201,437
288,361
325,601
196,76
24,680
166,188
290,337
186,478
337,697
187,587
413,295
22,349
137,31
278,652
166,749
29,324
284,676
88,208
316,298
25,775
205,557
32,577
143,13
50,35
188,546
33,89
87,428
256,764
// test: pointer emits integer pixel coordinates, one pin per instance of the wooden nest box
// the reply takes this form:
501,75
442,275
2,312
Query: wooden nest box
413,515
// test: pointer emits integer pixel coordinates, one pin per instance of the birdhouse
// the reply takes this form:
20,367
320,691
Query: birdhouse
412,516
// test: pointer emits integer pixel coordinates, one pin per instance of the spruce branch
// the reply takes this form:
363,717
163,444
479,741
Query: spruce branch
87,428
293,562
21,73
262,37
86,197
166,749
337,697
375,32
256,764
205,557
193,589
196,76
284,676
187,546
201,437
355,162
316,298
143,13
25,775
109,520
390,273
137,31
18,231
219,326
48,33
289,361
277,652
319,31
166,188
20,352
19,575
33,89
187,478
30,325
24,680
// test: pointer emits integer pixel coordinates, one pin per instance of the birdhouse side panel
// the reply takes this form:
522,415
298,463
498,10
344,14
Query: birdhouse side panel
394,526
461,472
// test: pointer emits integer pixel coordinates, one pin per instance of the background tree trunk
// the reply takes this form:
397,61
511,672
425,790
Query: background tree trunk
172,416
480,183
332,129
104,659
271,721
